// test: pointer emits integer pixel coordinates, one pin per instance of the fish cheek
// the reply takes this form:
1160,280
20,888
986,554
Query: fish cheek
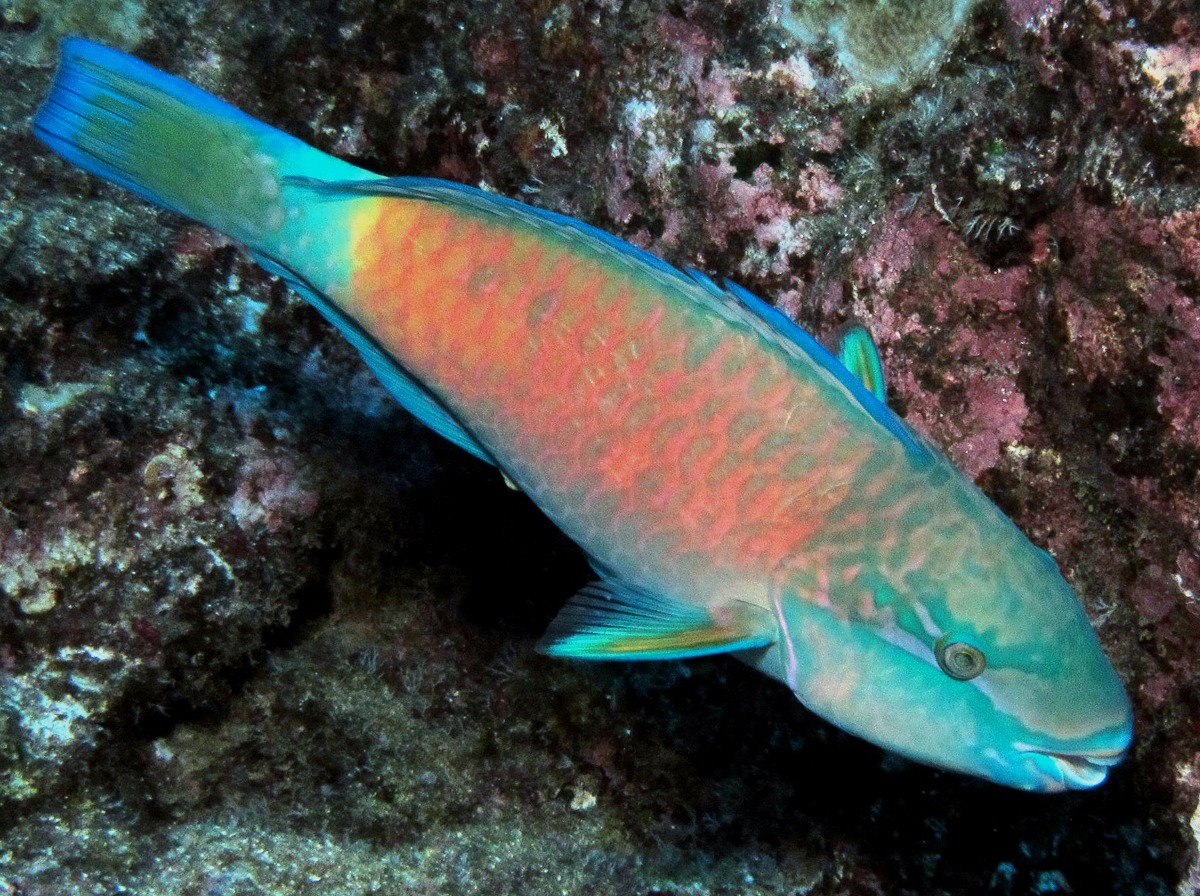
839,666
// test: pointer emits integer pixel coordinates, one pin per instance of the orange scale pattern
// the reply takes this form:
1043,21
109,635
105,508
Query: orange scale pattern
650,429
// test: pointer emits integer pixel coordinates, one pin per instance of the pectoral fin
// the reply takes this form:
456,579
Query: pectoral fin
612,620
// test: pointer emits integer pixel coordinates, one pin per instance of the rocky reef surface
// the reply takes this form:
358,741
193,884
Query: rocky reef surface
262,633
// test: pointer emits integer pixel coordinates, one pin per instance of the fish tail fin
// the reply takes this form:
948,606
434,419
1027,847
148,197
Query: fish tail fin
175,144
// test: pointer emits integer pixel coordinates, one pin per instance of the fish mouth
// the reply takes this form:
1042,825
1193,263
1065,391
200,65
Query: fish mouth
1074,771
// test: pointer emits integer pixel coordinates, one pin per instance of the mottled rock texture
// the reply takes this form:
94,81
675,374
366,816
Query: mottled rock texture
262,633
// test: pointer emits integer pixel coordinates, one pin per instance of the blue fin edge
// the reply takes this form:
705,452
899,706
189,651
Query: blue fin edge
869,402
87,71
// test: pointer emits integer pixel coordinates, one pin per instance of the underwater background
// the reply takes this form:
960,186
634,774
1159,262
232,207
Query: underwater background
261,632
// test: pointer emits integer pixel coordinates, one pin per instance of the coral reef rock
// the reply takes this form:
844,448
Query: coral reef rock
260,632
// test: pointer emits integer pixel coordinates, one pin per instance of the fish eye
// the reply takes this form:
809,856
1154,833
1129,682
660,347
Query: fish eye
958,659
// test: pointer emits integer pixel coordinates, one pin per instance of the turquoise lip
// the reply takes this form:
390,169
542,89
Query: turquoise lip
1079,769
1074,771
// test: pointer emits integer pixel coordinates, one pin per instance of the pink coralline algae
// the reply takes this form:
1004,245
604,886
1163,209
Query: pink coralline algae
679,162
771,210
1179,397
1104,322
1170,76
918,284
1179,384
889,254
1031,15
998,405
270,494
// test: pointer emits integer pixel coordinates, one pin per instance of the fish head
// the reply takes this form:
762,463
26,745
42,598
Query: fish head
978,658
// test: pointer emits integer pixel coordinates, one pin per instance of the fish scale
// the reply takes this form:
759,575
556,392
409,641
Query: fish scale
738,488
566,367
700,372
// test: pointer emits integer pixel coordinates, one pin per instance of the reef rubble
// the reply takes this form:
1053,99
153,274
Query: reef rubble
260,632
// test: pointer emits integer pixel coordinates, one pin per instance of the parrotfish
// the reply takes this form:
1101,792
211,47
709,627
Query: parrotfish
736,486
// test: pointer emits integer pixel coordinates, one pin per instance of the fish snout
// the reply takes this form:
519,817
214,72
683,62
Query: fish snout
1066,769
1076,771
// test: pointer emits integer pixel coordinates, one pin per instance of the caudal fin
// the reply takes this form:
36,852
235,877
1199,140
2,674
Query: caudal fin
175,144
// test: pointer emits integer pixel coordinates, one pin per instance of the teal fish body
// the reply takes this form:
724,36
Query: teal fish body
938,630
738,487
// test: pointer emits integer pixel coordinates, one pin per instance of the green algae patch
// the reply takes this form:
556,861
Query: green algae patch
44,401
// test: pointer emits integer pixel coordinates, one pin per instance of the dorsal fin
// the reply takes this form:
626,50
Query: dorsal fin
854,347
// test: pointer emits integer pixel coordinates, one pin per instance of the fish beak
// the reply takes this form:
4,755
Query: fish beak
1074,771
